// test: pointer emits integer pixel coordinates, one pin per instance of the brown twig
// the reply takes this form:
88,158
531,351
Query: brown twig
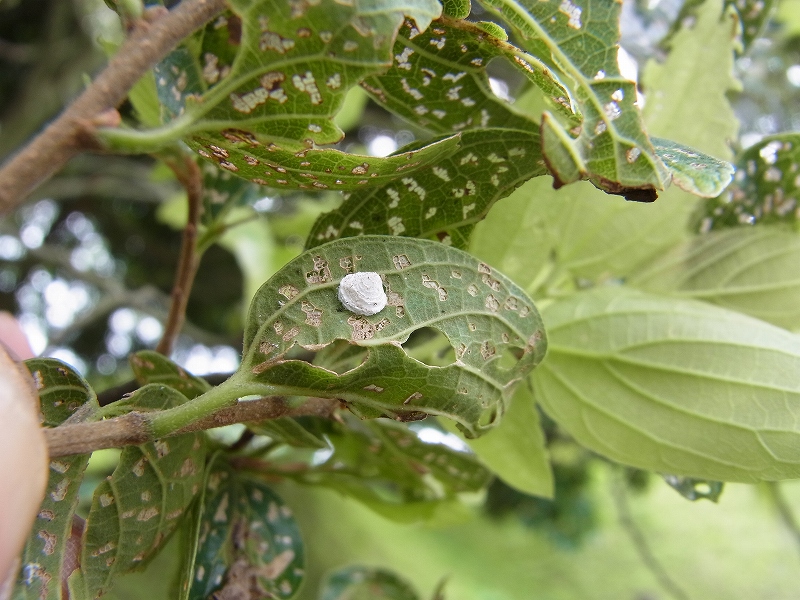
188,173
133,429
150,40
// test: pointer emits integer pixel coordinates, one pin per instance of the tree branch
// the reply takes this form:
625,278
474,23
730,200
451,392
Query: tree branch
133,428
151,39
188,173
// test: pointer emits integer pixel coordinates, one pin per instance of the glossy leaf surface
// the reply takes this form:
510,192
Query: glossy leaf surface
62,392
135,511
249,542
674,386
493,327
693,171
443,201
752,270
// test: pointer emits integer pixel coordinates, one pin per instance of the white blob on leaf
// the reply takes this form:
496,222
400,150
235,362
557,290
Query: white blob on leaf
362,293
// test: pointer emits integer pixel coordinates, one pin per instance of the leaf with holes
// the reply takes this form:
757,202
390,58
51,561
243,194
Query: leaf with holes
765,190
610,148
152,367
492,325
314,168
249,542
674,386
366,583
752,270
135,511
693,171
439,82
443,201
267,106
62,393
695,489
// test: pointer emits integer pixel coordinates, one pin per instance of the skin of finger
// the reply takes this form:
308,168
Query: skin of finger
23,462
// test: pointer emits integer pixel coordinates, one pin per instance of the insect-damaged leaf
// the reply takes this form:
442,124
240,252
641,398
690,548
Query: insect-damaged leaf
152,367
695,489
492,325
439,81
359,582
258,98
62,392
693,171
766,187
141,504
752,270
611,148
674,386
249,542
443,201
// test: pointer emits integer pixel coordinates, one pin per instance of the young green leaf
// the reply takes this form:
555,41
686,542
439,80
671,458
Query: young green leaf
292,431
675,386
611,148
438,80
765,190
358,582
751,270
494,328
135,511
442,201
693,171
62,392
249,542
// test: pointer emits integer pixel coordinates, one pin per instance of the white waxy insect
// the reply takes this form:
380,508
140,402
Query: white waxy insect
362,293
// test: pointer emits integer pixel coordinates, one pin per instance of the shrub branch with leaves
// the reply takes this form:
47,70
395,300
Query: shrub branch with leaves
667,350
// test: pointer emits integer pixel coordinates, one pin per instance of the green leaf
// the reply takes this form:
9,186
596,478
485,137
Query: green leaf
672,89
765,190
62,393
311,168
439,81
515,450
693,171
579,39
222,192
752,17
695,489
135,511
250,542
675,386
456,9
292,431
494,328
151,367
359,582
443,201
538,236
751,270
271,76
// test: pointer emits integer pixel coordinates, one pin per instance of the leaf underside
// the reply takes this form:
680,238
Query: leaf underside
358,582
674,386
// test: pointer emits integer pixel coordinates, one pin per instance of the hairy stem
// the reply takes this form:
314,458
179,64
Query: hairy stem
150,40
136,428
188,173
